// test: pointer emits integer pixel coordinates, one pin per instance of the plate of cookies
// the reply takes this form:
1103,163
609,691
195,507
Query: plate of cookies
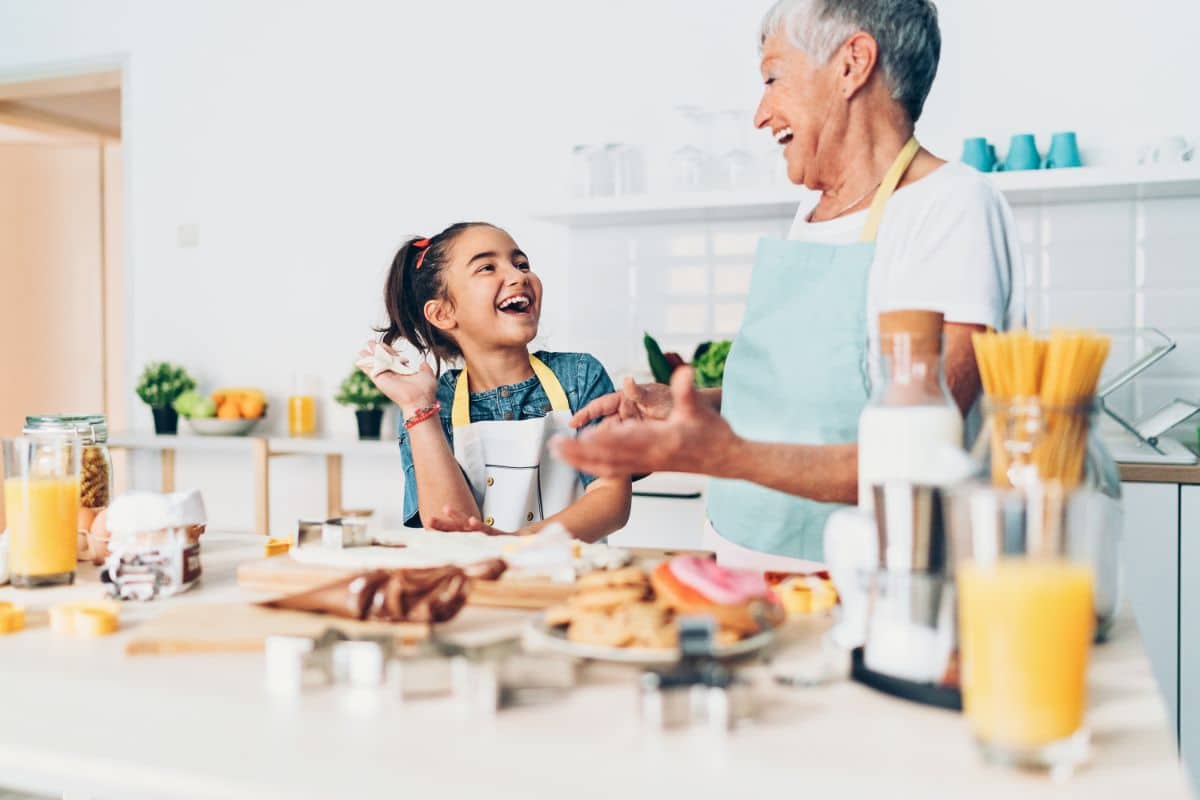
630,614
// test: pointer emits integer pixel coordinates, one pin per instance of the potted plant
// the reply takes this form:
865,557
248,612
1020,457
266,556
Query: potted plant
368,402
160,384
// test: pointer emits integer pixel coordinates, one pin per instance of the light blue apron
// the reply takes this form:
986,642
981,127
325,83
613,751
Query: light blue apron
797,373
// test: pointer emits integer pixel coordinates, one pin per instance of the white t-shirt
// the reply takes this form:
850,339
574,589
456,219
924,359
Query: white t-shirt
947,243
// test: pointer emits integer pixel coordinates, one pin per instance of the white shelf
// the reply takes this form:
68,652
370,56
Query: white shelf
276,445
286,445
1021,188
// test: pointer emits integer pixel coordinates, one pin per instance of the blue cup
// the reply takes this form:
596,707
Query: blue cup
1022,153
1064,151
979,154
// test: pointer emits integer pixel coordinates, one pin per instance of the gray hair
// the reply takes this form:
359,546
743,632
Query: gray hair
906,31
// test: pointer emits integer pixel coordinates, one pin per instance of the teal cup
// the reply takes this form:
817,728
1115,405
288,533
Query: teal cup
979,154
1022,153
1064,151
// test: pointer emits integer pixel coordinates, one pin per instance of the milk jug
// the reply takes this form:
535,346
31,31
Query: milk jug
911,417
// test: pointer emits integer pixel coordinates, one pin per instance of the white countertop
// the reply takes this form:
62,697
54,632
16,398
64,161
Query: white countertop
81,717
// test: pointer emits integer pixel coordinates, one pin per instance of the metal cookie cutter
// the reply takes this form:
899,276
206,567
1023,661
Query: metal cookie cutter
698,690
489,677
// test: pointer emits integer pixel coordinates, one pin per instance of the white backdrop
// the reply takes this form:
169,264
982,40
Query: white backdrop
305,139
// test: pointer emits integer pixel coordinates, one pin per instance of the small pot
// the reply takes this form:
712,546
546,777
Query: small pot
166,420
369,422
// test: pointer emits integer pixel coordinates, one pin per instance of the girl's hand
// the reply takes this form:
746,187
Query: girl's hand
453,521
634,401
410,392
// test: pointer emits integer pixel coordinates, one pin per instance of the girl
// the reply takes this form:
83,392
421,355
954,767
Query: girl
470,293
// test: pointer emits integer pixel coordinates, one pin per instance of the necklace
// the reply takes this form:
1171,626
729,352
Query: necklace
846,208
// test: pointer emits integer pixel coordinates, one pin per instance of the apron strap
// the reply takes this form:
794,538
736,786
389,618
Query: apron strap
460,414
890,181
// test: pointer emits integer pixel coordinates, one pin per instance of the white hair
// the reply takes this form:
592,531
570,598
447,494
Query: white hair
906,31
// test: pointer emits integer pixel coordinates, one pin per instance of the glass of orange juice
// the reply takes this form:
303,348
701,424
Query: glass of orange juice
1026,622
41,500
302,407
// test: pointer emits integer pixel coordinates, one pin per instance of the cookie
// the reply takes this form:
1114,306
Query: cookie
598,628
557,616
612,578
605,599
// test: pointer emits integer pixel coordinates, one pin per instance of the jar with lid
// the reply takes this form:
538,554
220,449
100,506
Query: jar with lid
911,417
95,472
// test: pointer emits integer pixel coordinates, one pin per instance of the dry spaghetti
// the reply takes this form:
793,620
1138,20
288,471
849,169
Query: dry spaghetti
1040,392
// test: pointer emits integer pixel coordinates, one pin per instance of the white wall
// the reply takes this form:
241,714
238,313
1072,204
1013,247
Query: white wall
305,139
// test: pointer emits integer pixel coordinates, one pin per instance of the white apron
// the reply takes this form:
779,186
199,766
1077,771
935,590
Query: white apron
508,464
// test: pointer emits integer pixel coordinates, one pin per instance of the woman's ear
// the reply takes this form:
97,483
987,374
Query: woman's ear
440,314
857,58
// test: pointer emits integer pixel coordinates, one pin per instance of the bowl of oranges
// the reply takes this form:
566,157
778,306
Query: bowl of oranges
227,412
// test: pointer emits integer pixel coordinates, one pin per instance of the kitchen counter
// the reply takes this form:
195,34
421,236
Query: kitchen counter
83,718
1160,473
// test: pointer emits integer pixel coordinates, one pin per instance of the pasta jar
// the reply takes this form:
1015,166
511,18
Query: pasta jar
95,471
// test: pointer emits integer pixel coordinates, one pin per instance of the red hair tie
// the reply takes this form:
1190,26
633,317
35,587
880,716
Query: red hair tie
424,245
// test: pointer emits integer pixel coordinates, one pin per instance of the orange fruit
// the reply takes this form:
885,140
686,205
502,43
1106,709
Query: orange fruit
229,410
251,407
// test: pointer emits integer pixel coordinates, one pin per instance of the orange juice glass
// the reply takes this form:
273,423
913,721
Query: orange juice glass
1026,627
41,499
302,415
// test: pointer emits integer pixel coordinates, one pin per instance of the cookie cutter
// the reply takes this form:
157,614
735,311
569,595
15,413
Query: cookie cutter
698,690
481,679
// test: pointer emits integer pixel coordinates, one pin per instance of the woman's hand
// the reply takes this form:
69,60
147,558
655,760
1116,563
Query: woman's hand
410,392
634,401
454,521
692,438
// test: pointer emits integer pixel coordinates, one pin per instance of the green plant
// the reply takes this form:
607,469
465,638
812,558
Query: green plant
161,382
708,361
710,364
358,391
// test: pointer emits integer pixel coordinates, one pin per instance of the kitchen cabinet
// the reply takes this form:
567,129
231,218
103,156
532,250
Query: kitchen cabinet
1189,621
1150,556
667,513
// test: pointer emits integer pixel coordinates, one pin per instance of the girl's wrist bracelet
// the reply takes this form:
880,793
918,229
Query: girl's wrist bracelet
422,414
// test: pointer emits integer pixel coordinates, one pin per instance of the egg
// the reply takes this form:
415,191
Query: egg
98,536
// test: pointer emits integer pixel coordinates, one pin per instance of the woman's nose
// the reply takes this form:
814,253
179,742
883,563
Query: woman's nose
762,116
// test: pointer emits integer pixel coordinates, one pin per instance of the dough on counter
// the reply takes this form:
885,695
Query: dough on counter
422,548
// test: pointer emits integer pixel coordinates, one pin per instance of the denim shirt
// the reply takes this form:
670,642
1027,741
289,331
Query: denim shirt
583,379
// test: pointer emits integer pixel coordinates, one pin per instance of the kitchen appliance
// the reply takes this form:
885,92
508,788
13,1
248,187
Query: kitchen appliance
910,646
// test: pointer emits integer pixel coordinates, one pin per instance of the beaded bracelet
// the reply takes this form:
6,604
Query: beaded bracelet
422,414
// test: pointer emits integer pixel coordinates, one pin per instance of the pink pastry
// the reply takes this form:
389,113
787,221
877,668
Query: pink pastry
721,585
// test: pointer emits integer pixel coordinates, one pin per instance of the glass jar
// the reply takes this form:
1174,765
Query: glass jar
41,500
1029,446
95,473
911,417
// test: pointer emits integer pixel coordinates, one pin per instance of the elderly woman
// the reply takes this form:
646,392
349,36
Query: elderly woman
893,226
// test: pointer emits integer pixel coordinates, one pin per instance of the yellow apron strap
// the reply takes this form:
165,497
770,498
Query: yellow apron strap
554,390
890,181
460,414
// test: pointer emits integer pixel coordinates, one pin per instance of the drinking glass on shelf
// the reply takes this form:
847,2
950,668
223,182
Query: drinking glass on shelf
1026,617
690,161
628,169
302,407
735,168
41,499
581,171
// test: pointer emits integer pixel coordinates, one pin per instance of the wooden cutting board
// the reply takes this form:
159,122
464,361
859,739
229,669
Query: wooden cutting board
242,627
284,575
